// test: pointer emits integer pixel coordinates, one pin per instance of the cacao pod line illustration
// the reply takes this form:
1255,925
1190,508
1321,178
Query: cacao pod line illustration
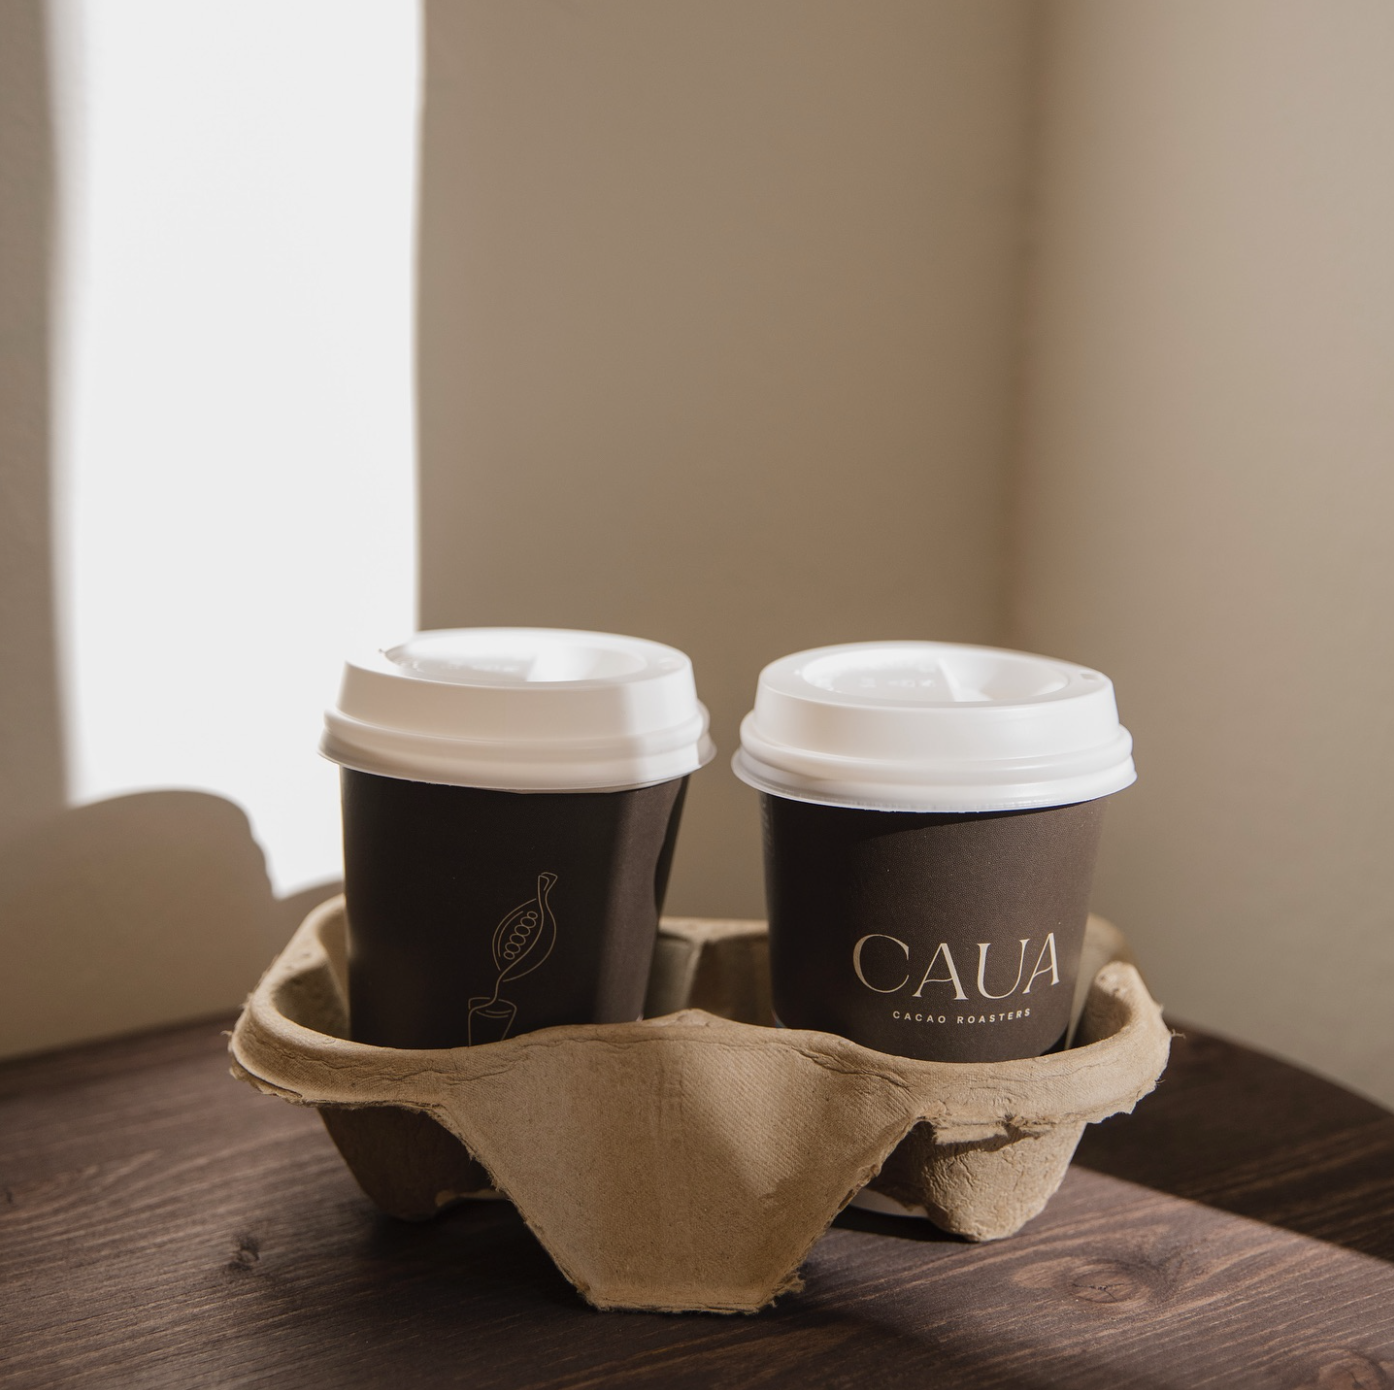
522,941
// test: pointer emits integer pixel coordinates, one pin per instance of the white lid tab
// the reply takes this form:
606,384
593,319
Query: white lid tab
933,726
521,709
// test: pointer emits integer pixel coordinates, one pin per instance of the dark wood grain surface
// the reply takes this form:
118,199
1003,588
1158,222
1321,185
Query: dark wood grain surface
161,1225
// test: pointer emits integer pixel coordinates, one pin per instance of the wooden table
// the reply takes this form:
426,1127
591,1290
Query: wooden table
161,1225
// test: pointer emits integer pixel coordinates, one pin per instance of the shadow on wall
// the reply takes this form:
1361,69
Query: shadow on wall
717,310
31,749
131,913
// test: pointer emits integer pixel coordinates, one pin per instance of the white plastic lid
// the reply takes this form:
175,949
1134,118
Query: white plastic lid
521,709
927,726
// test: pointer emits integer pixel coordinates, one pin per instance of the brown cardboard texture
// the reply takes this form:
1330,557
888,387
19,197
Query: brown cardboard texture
689,1162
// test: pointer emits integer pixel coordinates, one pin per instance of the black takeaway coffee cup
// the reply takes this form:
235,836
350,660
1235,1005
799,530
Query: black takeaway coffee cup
511,798
931,819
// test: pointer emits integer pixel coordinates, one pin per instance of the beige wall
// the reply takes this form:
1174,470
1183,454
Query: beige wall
717,335
1207,498
721,308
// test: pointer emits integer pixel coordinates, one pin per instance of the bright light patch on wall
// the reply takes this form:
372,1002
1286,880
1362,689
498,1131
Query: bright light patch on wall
236,492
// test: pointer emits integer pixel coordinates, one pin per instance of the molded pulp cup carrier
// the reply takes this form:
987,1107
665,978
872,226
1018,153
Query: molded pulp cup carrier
932,814
691,1161
511,803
